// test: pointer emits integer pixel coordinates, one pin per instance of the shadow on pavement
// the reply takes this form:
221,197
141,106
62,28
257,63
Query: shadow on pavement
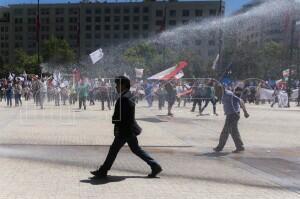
151,119
214,154
109,179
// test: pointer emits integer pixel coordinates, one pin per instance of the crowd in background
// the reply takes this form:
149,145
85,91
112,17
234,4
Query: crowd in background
86,91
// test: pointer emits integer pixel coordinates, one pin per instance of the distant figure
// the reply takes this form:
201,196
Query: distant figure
232,104
210,97
18,93
83,90
126,130
9,94
275,97
196,97
171,96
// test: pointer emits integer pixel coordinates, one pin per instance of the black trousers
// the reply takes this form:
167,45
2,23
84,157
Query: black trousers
213,101
195,102
82,101
133,144
231,127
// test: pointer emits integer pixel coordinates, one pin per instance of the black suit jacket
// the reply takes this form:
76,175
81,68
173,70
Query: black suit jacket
124,116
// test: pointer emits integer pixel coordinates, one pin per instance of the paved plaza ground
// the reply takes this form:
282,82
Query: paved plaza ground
49,153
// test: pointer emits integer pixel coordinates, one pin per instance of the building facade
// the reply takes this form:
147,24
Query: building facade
88,26
262,29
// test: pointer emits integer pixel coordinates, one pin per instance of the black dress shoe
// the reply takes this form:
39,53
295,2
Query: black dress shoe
155,170
216,149
99,173
238,150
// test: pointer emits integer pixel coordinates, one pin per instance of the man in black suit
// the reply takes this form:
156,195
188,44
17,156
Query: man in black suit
126,130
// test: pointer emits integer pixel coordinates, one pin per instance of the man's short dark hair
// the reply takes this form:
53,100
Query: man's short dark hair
123,81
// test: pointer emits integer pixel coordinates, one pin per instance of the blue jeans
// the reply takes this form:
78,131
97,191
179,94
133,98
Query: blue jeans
9,100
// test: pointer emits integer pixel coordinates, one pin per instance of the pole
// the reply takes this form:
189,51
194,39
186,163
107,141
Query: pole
38,33
298,64
78,35
163,29
220,36
289,89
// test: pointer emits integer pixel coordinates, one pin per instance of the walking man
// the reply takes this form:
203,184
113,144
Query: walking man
232,104
126,130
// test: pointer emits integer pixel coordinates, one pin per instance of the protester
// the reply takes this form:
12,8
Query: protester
161,95
9,94
171,96
210,97
231,105
18,93
83,90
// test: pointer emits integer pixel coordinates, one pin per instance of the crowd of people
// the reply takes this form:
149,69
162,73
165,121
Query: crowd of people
59,92
201,92
125,94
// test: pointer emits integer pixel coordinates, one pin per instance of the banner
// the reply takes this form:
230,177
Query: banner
295,94
265,94
139,72
170,72
96,56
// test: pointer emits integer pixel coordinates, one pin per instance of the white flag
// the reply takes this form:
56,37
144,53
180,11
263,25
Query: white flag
125,75
215,62
139,72
96,56
10,77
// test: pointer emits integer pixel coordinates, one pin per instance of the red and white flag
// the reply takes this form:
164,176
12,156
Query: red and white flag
173,72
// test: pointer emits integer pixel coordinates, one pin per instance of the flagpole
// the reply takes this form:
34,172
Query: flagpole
220,36
78,35
38,31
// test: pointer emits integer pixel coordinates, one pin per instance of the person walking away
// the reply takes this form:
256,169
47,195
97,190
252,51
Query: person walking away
18,93
161,96
171,96
57,93
9,94
232,104
126,130
83,90
275,97
42,92
210,97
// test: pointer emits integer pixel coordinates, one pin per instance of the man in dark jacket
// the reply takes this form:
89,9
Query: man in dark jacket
126,130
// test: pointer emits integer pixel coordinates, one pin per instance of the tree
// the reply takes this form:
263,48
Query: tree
25,62
57,52
143,55
271,59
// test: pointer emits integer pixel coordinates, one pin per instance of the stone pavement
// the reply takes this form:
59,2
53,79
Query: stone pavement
49,153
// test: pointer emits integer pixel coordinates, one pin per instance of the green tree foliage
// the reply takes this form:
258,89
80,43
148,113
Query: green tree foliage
25,62
56,51
271,59
156,57
143,55
251,61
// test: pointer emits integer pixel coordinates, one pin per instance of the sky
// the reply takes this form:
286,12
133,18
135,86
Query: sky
231,5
